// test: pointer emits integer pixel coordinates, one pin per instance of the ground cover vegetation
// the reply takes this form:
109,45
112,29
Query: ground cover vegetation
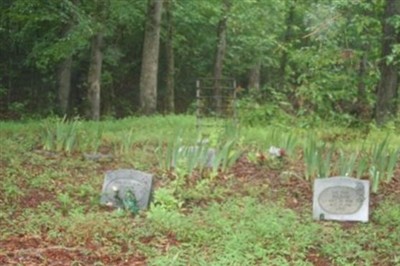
102,85
248,208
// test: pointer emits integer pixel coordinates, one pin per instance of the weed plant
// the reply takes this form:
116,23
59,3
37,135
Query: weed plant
311,158
91,138
346,163
198,155
60,134
384,159
225,158
237,232
375,178
361,166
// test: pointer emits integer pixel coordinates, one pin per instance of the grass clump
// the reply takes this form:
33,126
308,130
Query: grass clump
240,231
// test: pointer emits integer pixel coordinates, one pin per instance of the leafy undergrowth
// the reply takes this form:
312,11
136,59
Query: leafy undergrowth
258,212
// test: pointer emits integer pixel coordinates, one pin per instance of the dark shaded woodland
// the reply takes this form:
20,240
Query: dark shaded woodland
117,58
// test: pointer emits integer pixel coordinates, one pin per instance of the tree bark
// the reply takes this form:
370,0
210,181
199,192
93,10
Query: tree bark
220,54
170,96
64,86
286,40
254,77
94,77
64,70
360,109
148,75
388,86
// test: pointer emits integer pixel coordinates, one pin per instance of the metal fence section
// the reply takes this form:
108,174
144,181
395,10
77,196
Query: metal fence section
216,101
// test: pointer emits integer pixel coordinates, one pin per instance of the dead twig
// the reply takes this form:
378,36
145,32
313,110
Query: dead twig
36,251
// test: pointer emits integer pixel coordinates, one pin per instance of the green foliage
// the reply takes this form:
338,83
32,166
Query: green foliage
329,76
65,201
375,178
383,162
193,219
184,159
254,29
310,55
317,157
346,164
91,140
238,232
362,166
11,191
60,134
387,215
263,107
225,157
164,198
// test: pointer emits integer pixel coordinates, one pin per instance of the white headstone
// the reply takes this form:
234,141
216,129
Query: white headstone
119,183
341,199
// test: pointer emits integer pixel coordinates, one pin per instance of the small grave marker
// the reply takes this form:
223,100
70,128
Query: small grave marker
120,184
341,199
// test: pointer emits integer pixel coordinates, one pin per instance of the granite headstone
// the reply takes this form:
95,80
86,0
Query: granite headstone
119,184
341,199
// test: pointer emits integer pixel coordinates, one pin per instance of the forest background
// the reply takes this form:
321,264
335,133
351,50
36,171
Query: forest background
326,59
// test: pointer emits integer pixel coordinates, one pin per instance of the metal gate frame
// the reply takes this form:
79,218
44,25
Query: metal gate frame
216,101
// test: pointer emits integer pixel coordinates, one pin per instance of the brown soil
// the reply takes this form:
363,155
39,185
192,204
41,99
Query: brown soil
35,197
27,250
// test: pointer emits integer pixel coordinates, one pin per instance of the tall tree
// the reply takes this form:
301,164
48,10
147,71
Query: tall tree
254,31
361,104
151,44
64,83
254,76
169,52
286,39
94,76
220,53
64,75
388,87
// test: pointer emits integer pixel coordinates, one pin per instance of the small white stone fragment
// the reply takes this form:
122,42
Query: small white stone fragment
274,151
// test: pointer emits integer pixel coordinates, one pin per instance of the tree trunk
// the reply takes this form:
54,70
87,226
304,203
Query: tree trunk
254,77
170,96
220,54
388,86
361,94
360,109
64,86
64,70
148,75
94,77
286,40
